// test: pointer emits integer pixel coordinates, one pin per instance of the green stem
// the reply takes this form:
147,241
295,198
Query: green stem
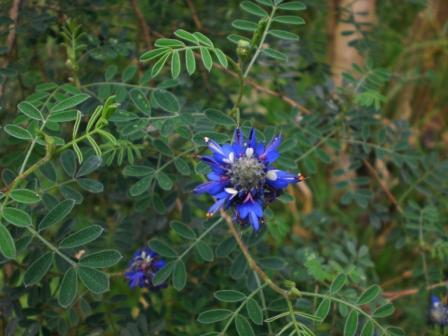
260,45
293,317
51,246
241,306
206,232
348,304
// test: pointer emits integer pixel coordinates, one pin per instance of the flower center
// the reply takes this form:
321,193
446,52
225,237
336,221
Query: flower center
247,173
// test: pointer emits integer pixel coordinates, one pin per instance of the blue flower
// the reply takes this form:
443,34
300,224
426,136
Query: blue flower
438,312
143,266
242,177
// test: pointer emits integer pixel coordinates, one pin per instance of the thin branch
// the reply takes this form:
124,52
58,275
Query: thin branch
394,295
383,186
194,15
143,26
250,261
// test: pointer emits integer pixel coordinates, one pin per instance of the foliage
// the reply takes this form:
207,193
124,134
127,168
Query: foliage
104,115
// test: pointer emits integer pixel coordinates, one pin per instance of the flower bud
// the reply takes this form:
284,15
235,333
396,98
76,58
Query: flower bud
243,49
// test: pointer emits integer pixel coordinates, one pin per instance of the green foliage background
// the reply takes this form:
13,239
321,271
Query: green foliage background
104,108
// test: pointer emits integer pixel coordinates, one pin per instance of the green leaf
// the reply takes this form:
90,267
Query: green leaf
101,259
214,315
254,311
63,116
166,42
338,283
289,19
140,186
17,217
163,274
351,324
222,58
57,214
253,8
182,166
91,164
164,181
68,289
203,39
162,147
69,102
275,54
293,5
368,329
175,64
219,117
162,248
167,101
265,2
139,100
183,34
204,251
25,196
245,25
283,34
369,295
225,247
229,296
158,66
206,58
7,246
129,73
323,309
152,54
90,185
384,311
190,61
179,276
183,230
243,326
37,270
395,331
82,237
30,111
138,171
96,281
18,132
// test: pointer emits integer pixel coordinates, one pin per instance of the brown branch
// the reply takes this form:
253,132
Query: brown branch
250,261
11,39
143,26
194,15
383,186
394,295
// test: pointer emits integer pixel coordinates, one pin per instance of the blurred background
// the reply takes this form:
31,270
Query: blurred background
362,102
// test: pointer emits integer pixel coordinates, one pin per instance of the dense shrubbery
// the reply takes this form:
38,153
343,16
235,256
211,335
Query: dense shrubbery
108,108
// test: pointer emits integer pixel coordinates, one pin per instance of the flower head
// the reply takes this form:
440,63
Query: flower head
143,266
438,312
243,177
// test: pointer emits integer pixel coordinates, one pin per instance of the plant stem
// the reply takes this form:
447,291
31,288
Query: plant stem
206,232
251,262
51,246
260,45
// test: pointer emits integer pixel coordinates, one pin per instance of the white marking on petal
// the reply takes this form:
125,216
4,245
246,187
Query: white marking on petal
271,175
206,139
249,152
231,191
230,159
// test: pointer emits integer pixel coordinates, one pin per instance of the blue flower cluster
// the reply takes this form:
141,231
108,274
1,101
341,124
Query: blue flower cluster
243,177
438,312
143,266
